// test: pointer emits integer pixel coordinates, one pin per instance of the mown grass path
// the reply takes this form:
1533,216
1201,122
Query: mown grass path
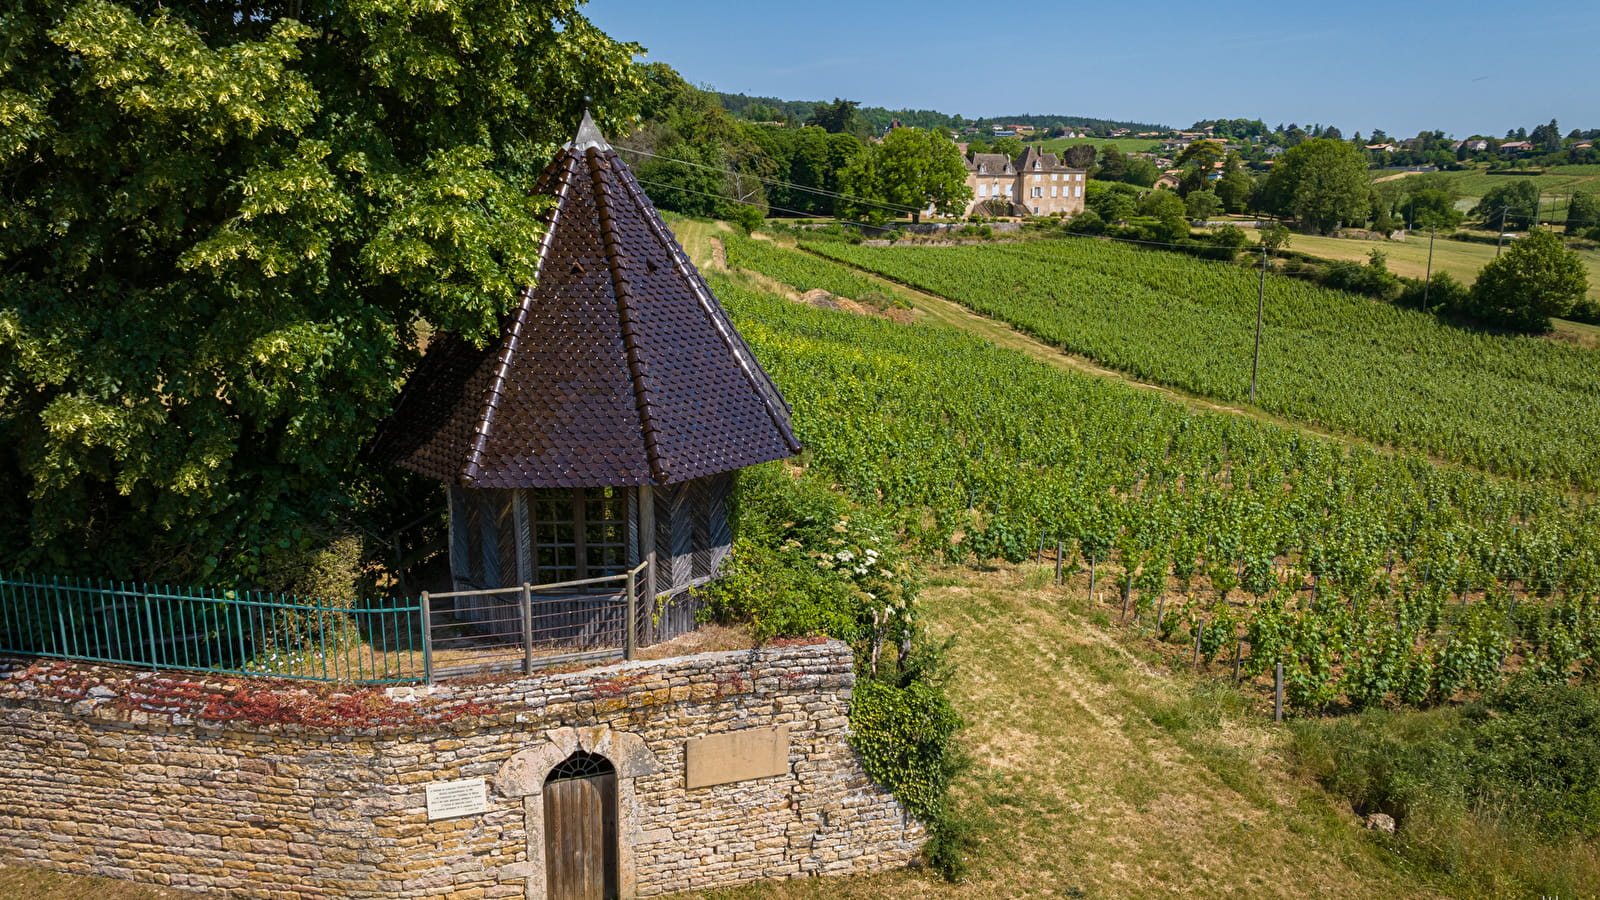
1101,775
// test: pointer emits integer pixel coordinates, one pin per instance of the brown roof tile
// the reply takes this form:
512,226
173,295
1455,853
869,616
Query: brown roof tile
618,368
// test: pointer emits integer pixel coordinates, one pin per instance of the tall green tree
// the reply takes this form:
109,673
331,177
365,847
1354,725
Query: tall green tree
1235,185
1534,280
1583,212
1113,164
838,117
912,169
224,227
1322,183
694,156
1510,205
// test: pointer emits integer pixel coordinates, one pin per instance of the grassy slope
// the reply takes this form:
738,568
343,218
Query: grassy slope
1474,183
1104,776
1410,257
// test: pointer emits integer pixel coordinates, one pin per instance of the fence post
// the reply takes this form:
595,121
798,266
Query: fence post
1059,548
631,626
1238,655
1277,693
527,628
1197,633
427,639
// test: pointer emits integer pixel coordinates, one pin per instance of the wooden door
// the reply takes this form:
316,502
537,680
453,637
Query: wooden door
580,838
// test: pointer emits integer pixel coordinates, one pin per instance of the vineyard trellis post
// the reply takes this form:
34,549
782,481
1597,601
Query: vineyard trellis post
1427,279
1261,303
1060,547
1277,692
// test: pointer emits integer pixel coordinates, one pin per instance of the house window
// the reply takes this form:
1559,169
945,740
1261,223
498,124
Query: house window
579,533
1052,190
1038,192
1077,192
1036,210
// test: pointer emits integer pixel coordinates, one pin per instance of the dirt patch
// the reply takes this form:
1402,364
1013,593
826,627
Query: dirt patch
719,253
705,639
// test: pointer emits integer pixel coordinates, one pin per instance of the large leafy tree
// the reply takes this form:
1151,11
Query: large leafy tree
1322,183
911,169
1535,279
1511,205
224,226
1583,213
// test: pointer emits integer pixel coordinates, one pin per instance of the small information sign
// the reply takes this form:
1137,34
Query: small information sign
449,799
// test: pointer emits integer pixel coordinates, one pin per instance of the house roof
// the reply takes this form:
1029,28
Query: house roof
990,164
618,368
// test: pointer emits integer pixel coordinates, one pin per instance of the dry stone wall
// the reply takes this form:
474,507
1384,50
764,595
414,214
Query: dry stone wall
257,789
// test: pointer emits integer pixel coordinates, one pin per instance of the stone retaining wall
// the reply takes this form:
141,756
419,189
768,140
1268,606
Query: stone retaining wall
257,789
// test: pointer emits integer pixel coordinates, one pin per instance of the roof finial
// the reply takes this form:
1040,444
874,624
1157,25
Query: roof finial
588,135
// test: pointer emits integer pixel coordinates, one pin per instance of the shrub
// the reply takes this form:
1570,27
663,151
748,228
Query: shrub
1087,222
1536,278
1444,294
1373,279
1497,789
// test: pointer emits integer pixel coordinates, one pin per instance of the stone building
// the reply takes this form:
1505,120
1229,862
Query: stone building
1034,184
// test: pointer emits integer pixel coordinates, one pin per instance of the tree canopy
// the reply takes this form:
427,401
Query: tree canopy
911,168
1535,279
1511,204
225,227
1322,183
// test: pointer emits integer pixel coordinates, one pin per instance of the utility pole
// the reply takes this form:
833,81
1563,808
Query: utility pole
1261,303
1427,280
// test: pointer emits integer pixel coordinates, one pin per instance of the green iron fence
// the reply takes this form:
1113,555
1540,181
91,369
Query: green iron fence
234,632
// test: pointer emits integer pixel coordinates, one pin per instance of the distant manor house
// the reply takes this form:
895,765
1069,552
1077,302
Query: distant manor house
1035,184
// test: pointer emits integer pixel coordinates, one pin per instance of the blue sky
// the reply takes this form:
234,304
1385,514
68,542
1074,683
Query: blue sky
1359,65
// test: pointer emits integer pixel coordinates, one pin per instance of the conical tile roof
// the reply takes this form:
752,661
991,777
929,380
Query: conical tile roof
618,368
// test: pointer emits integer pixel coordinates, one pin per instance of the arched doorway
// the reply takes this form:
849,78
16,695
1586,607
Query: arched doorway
580,829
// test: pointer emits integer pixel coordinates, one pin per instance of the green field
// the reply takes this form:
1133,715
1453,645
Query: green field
1461,259
1554,183
1518,406
1126,145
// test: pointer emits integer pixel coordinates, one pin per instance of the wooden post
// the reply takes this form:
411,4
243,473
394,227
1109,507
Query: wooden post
526,605
1059,548
1198,631
630,630
1091,579
1126,597
1277,694
1238,657
647,546
427,639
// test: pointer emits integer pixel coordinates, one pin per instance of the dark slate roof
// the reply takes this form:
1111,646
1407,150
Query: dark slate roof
995,163
618,368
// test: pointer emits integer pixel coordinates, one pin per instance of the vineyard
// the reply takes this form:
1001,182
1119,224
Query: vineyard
1517,406
801,271
1375,579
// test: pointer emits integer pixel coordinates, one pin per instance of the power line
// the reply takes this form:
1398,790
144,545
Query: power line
773,181
798,212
